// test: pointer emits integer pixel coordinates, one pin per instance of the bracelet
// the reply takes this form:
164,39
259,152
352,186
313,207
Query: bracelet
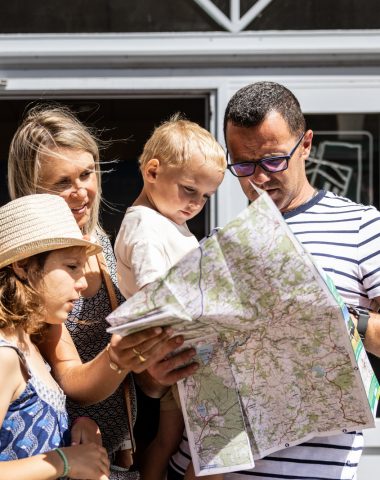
66,466
114,366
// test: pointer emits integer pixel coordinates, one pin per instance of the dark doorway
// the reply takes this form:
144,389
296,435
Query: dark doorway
127,122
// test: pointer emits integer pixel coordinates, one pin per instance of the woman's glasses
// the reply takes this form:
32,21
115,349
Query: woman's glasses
269,164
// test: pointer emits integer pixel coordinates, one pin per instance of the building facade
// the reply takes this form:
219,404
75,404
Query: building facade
126,65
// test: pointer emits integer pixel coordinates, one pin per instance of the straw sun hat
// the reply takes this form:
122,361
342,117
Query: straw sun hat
38,223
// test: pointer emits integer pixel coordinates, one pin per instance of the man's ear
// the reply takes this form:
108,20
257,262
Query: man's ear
151,170
306,143
20,269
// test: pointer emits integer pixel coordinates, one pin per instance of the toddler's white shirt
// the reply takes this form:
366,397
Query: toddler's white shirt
147,245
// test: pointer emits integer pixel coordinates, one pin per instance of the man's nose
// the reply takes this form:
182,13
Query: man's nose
259,176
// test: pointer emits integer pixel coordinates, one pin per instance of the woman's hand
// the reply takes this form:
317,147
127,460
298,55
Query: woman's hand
141,350
85,430
94,381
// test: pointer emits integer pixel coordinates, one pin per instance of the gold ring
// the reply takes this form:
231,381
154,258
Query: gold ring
139,354
142,358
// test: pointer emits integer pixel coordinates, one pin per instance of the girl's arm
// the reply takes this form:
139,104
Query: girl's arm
88,462
95,380
46,466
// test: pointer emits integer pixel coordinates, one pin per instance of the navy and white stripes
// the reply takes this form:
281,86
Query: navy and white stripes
344,239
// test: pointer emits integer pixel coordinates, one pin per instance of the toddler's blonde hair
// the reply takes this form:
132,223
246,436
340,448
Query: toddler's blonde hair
174,142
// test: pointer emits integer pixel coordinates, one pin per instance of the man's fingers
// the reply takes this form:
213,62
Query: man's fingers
174,368
174,376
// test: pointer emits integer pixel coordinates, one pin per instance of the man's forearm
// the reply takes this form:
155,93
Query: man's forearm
372,336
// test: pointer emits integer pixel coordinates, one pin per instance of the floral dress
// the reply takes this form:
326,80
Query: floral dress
37,421
87,326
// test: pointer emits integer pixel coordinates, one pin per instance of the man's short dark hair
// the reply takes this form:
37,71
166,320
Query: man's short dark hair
252,103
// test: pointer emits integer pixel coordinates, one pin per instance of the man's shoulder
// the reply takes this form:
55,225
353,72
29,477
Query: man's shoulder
345,205
333,209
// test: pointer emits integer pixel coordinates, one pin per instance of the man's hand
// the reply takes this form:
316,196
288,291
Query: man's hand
171,369
168,370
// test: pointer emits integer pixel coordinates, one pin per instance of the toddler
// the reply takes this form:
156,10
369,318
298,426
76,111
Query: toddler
182,166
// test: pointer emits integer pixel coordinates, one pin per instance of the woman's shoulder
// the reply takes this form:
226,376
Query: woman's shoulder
102,238
110,260
105,242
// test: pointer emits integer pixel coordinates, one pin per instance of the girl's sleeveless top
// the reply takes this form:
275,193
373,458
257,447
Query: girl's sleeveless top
87,326
36,422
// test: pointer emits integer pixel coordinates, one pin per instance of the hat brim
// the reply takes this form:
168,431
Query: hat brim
46,245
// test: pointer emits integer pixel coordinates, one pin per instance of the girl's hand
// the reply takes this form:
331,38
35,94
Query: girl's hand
87,462
85,430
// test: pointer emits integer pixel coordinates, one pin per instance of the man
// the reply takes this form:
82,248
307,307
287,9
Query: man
268,144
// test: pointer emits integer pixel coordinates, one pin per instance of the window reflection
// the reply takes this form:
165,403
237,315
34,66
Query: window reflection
345,160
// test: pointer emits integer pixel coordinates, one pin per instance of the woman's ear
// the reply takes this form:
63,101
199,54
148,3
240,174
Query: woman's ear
151,170
20,269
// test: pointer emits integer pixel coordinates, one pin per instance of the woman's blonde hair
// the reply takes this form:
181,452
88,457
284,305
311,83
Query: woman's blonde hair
44,129
20,300
174,143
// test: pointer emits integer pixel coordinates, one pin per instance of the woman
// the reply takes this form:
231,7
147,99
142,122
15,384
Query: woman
52,152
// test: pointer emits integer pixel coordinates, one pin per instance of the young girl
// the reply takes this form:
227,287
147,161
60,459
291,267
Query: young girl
42,258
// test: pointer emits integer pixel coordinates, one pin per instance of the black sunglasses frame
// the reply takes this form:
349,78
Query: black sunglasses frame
261,163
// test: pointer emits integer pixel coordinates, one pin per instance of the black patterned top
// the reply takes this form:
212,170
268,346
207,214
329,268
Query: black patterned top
87,326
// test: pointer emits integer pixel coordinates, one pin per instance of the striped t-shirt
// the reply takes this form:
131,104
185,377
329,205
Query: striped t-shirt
344,239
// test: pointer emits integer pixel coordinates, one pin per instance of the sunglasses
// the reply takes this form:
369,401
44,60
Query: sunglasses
268,164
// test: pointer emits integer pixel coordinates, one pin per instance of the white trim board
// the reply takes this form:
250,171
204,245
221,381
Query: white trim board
317,93
208,48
